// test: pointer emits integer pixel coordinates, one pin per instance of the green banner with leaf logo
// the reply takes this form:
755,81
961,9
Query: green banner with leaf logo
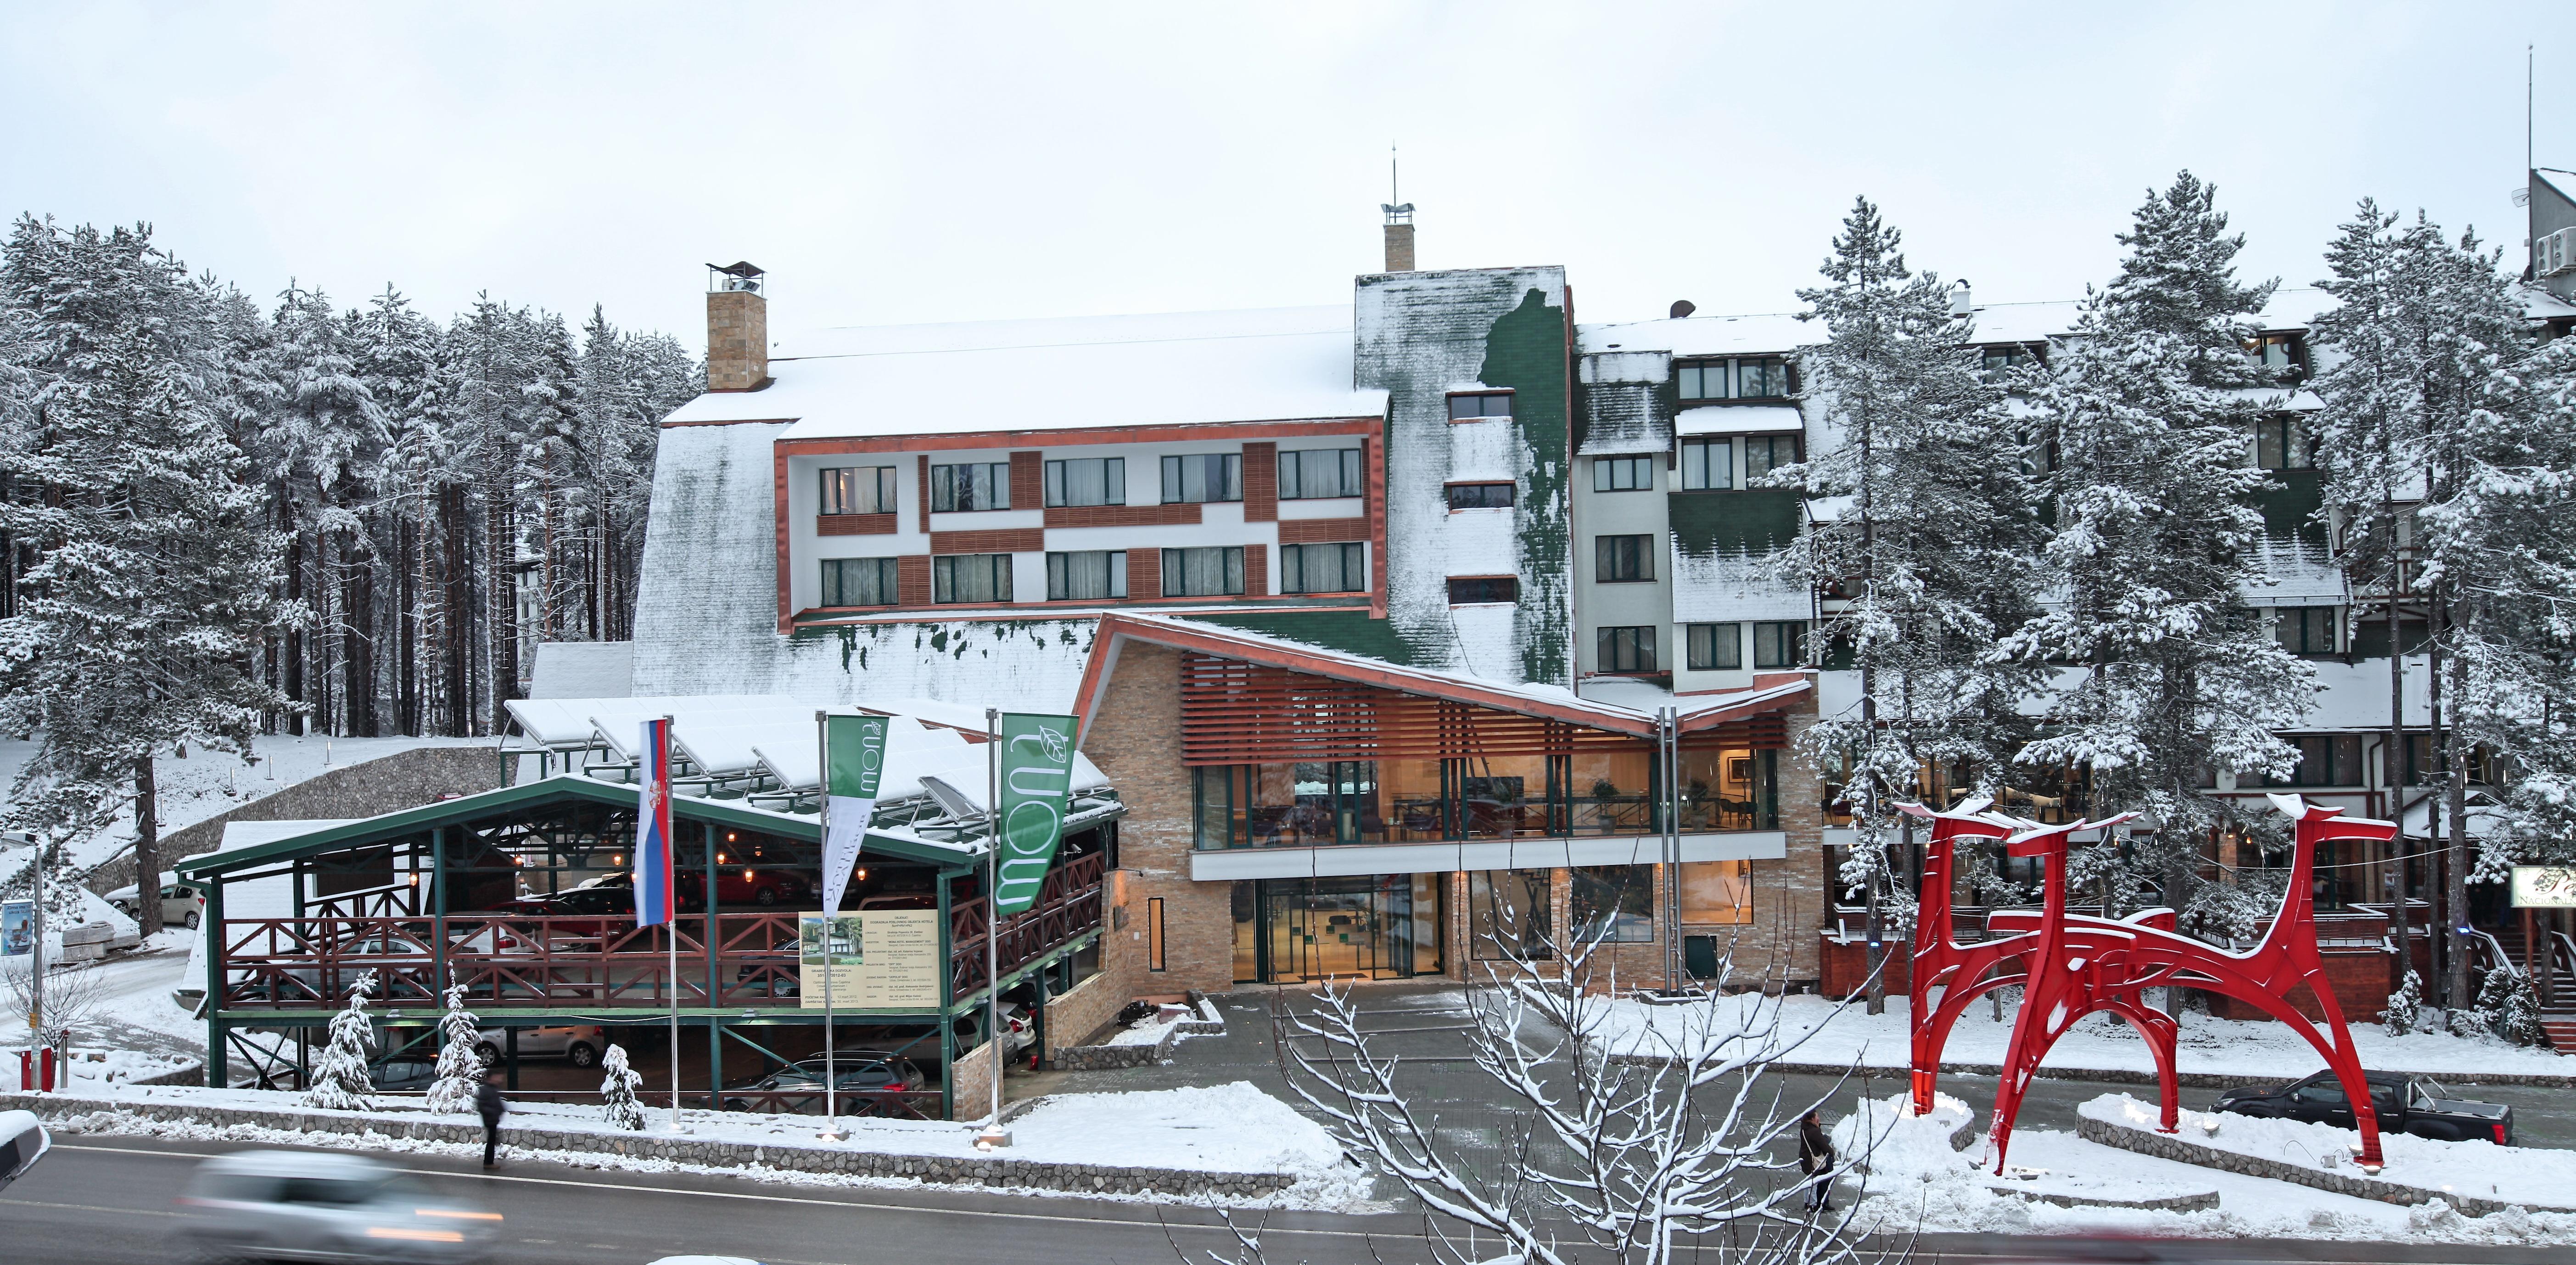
1037,781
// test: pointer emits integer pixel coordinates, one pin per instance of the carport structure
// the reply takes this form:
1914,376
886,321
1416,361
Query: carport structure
422,899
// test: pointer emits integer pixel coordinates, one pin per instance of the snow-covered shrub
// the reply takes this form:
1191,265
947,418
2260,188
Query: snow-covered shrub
617,1092
460,1069
340,1081
2509,1008
2403,1005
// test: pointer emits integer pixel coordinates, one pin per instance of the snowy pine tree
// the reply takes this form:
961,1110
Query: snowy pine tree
617,1090
1932,549
2404,1005
340,1078
460,1067
2154,550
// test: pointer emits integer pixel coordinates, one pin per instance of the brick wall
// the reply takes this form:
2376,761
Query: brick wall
1145,572
1256,570
854,524
1260,483
2359,980
1028,481
970,1083
912,580
991,540
1135,738
1073,1017
737,340
1322,531
922,467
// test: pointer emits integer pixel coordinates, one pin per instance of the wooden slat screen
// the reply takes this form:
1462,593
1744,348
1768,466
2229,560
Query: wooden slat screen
1233,712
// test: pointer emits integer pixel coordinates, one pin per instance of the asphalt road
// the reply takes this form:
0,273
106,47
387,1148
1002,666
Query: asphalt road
109,1201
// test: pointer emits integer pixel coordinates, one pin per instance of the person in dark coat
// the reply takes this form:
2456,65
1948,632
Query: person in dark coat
1816,1159
487,1100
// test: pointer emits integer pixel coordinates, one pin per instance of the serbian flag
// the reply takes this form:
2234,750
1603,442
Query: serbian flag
653,826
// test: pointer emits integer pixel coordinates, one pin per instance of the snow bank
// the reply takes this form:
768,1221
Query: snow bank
1885,1136
2530,1176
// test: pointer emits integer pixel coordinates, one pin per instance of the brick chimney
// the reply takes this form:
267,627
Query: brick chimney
737,328
1399,236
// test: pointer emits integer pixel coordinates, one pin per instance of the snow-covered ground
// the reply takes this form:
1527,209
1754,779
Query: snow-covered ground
1233,1128
133,1009
2477,1168
1150,1029
209,782
1833,1034
1917,1179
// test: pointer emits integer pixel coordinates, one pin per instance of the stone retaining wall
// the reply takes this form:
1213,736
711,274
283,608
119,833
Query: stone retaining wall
2122,1075
1101,1058
2341,1182
976,1171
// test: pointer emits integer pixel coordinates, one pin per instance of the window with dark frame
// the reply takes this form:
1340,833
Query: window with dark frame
1715,647
1481,496
1310,474
858,582
1087,575
1080,481
1467,590
1215,571
2324,760
2280,353
1763,378
1623,474
1328,568
1476,406
1779,643
2309,629
1623,559
970,487
2281,443
1611,903
970,577
1203,477
859,490
1629,649
1700,379
2002,362
1707,464
1766,453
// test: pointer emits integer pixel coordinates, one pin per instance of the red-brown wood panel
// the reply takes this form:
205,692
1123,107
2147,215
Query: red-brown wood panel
1322,531
1233,712
1260,483
993,540
1256,570
1028,480
922,465
1177,514
854,524
1144,573
912,579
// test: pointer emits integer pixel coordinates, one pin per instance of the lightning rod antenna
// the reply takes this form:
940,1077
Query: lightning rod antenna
1394,180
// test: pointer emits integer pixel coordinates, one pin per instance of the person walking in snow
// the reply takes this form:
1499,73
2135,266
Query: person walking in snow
1816,1159
487,1100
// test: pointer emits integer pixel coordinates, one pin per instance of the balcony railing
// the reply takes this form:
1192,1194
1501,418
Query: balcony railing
1067,907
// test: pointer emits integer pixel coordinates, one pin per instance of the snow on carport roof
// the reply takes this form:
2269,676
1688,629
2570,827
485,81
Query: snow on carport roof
1275,364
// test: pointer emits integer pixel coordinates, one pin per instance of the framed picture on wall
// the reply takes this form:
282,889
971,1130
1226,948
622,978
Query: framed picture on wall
1739,768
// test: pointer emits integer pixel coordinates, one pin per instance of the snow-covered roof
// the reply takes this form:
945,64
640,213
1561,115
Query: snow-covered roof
1271,364
583,669
1768,333
1738,419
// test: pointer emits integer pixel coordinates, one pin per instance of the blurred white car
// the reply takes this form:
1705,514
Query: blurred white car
22,1143
579,1043
296,1204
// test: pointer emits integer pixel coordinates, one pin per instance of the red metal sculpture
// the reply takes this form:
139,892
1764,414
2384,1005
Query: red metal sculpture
1965,972
2079,964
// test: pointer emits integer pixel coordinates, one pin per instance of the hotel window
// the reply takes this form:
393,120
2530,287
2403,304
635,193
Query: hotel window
1702,379
1613,903
1716,647
1480,496
970,577
2281,443
1212,572
964,489
2324,760
1467,590
2308,629
1625,649
2002,362
1086,481
1089,576
1623,474
1623,559
1479,406
858,582
2277,352
1766,378
1780,644
1766,453
1507,914
1215,476
1320,474
1339,568
1707,464
858,490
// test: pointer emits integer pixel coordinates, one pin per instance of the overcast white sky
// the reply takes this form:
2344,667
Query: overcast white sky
892,164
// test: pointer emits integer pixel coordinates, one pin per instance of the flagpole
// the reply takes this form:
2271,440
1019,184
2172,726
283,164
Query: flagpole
993,1135
831,917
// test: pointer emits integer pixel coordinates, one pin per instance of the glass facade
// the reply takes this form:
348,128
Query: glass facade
1376,926
1608,791
1508,915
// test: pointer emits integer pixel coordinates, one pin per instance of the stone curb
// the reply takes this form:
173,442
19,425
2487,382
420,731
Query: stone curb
2175,1147
2204,1201
2124,1075
996,1172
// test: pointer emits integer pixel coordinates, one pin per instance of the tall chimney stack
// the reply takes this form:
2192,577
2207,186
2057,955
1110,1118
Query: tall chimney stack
1399,236
737,328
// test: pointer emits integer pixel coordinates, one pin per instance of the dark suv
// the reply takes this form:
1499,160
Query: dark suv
2404,1104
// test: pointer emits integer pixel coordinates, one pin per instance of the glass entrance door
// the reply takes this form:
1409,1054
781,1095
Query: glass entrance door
1366,926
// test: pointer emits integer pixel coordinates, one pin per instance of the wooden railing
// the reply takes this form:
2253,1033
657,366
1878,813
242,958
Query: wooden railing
1067,907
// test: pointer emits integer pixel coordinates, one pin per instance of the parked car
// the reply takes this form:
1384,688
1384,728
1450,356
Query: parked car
865,1084
327,1207
22,1143
404,1076
2404,1104
580,912
900,900
744,885
1015,1022
182,904
578,1044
